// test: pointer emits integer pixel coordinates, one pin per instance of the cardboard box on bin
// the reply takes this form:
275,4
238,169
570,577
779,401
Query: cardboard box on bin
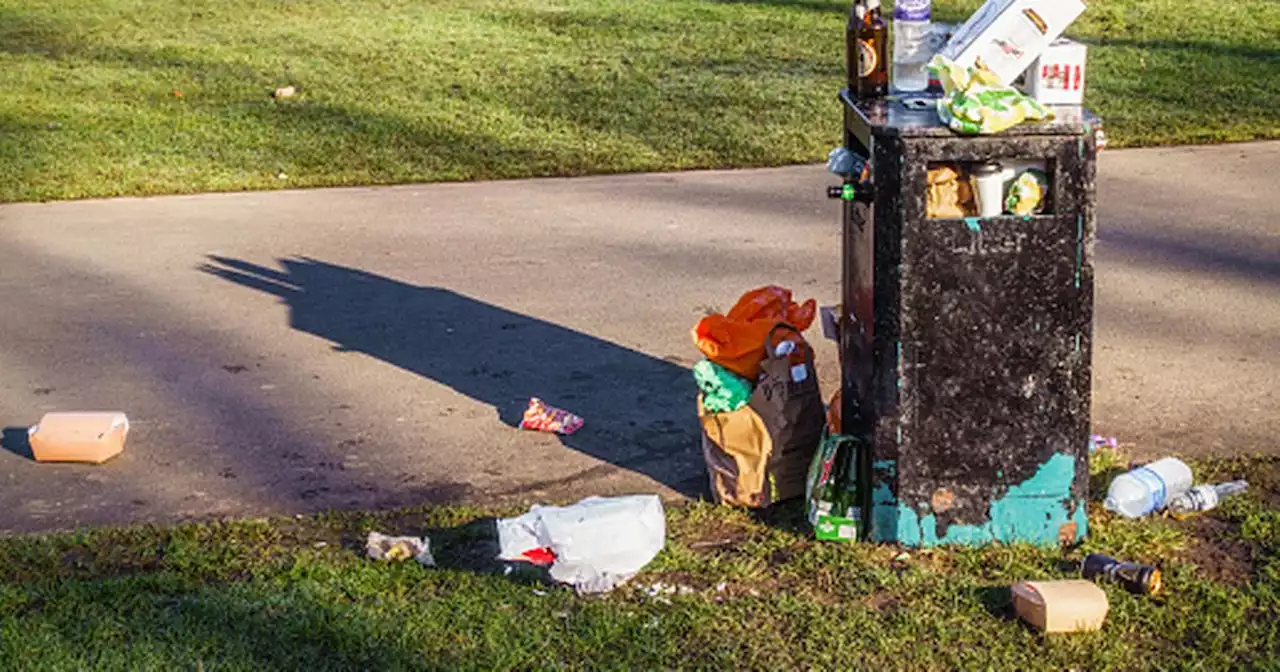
1007,35
1057,77
1074,605
78,437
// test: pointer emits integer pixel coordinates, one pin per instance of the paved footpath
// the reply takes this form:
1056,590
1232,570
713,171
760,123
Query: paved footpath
295,351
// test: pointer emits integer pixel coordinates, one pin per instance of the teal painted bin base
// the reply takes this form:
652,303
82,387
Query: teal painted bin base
1040,510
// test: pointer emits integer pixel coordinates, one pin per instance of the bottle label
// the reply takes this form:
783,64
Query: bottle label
869,59
1155,485
911,10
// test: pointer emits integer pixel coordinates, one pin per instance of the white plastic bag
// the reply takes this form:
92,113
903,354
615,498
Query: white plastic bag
598,543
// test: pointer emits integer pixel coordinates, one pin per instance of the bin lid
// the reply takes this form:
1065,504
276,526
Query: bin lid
891,117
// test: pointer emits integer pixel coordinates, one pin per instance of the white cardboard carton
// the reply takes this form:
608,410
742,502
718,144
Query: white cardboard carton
1007,35
1057,77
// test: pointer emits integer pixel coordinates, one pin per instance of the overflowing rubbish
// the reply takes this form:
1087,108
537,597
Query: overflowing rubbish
1057,76
1148,489
950,192
841,161
912,29
974,102
78,437
1073,605
1006,36
736,340
1027,193
1204,497
544,418
988,189
395,549
758,454
1136,578
722,390
594,545
831,492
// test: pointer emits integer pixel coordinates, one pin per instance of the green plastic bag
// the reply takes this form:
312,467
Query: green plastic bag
723,391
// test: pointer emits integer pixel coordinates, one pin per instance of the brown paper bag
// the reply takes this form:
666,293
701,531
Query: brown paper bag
1074,605
737,449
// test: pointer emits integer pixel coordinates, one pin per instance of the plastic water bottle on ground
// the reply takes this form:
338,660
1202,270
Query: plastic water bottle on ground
1150,488
1204,497
912,31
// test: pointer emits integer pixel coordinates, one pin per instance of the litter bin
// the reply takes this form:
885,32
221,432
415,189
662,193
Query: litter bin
966,342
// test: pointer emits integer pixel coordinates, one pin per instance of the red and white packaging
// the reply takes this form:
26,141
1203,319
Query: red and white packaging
1057,77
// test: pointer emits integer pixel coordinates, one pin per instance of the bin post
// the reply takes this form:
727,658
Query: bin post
966,344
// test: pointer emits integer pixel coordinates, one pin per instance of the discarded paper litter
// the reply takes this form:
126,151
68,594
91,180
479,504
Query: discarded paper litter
394,549
594,545
78,437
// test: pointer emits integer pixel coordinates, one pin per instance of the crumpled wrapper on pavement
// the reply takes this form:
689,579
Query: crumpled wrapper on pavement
395,549
546,418
974,102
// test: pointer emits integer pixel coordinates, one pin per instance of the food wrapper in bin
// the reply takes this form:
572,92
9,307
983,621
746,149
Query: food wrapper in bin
974,102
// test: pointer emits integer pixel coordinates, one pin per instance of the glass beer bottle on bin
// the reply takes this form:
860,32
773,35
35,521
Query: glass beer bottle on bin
866,50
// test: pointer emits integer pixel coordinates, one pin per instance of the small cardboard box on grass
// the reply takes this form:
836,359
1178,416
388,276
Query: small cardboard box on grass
1074,605
1008,35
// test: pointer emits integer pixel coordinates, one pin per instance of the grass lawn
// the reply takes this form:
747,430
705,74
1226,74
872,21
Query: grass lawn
113,97
296,594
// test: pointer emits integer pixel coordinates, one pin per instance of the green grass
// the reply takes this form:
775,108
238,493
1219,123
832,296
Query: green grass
398,90
297,594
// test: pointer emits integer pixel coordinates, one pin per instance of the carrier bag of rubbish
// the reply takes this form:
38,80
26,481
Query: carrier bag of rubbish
736,339
594,545
759,453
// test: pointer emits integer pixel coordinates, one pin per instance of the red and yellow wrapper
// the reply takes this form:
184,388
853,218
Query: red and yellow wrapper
546,418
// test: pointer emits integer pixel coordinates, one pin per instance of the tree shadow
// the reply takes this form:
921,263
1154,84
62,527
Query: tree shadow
1242,258
997,600
638,409
17,441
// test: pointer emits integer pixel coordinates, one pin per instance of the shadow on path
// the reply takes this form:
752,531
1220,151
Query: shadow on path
639,409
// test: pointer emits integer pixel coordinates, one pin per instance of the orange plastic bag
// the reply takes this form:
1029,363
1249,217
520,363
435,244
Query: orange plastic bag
736,340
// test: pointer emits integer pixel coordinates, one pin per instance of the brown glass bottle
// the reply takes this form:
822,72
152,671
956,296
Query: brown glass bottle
866,51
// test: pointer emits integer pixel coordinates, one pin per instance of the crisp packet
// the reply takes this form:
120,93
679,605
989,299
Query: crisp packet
974,102
546,418
1026,194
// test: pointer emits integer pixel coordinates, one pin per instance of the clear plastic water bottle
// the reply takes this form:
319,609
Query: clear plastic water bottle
912,30
1204,497
1150,488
